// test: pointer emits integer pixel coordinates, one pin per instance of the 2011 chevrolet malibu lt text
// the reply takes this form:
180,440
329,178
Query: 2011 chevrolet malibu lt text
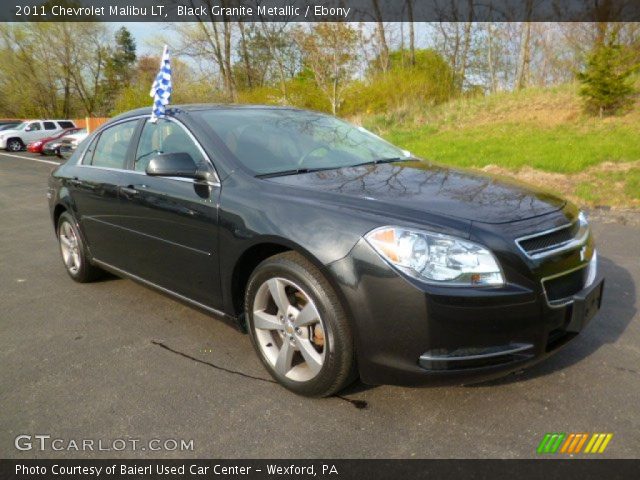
341,254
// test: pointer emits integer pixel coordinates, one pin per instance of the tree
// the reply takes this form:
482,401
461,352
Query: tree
524,58
122,59
209,40
53,69
606,83
188,88
328,50
283,53
381,37
412,33
454,40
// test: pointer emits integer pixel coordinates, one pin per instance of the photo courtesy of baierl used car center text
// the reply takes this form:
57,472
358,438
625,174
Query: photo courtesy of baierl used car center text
334,239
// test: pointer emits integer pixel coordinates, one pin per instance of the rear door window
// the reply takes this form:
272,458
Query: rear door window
112,146
66,124
88,154
50,126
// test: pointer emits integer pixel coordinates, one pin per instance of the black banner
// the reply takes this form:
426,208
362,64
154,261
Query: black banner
548,469
319,10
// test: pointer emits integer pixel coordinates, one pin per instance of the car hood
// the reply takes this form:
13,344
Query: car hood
44,140
76,136
9,132
432,188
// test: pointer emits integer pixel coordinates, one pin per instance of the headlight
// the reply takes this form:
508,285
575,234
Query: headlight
436,258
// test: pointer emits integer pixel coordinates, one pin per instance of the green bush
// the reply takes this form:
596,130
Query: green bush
301,92
426,83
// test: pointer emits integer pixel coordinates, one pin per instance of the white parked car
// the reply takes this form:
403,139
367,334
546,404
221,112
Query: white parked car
70,142
17,138
75,138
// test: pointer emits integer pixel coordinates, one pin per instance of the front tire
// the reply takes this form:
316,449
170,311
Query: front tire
298,326
14,145
74,252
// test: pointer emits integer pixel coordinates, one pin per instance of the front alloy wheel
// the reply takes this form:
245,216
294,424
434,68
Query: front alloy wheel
14,145
298,326
289,330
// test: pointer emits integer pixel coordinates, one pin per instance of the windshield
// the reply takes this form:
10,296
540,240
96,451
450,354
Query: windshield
269,141
20,126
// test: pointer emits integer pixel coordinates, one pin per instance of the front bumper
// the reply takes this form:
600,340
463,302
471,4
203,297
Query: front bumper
50,149
409,333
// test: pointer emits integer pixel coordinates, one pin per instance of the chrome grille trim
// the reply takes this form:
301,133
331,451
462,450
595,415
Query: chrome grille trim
578,241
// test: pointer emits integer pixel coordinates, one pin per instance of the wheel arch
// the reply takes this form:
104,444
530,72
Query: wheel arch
15,138
58,210
259,251
63,205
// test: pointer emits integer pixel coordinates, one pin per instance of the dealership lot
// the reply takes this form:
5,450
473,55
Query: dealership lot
115,361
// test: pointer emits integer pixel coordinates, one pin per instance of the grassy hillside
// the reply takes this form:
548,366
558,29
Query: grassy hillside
538,135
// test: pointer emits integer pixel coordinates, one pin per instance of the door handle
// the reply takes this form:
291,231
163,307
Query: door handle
129,190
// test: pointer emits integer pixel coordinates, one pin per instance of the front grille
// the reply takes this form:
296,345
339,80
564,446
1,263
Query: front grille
565,286
551,240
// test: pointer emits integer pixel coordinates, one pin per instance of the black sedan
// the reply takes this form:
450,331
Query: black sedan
341,254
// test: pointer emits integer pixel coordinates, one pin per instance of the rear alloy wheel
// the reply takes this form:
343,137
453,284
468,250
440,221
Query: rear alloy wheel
73,251
14,145
298,327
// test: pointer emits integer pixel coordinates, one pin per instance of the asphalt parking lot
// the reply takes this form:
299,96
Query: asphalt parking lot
114,360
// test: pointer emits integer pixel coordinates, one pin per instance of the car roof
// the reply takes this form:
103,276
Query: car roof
49,120
194,107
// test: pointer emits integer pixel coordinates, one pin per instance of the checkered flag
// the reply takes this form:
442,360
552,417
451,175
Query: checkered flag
161,89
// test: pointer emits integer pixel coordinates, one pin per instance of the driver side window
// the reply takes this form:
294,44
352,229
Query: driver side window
164,136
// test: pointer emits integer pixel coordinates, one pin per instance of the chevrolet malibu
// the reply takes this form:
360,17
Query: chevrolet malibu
340,254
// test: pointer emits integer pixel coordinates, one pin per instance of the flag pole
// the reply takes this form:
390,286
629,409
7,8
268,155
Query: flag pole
162,87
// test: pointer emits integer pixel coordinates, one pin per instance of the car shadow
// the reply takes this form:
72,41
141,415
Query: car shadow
617,311
107,277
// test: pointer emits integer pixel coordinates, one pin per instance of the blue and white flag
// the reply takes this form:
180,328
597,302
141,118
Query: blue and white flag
161,89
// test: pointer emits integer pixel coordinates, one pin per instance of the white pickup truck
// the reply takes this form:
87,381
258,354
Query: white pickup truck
17,138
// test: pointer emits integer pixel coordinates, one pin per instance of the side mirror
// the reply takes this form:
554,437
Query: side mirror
178,164
28,128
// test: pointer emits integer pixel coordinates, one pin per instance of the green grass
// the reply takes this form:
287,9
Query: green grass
541,128
611,188
563,148
632,183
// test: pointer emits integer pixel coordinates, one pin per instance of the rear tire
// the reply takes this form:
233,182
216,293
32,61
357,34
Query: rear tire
74,253
298,327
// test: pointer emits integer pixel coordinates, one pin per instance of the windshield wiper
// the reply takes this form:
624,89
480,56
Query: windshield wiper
297,171
385,160
293,171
